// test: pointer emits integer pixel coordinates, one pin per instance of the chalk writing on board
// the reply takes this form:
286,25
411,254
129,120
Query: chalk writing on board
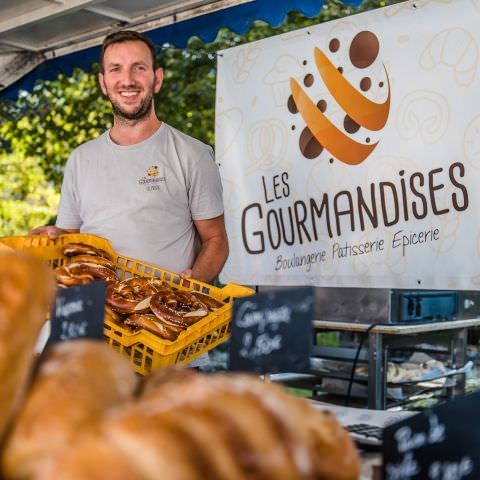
263,344
272,332
78,313
438,470
403,470
451,470
407,440
410,443
65,309
70,330
262,318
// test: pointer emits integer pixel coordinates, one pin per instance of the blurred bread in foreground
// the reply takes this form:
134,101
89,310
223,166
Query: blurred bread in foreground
75,384
192,426
27,289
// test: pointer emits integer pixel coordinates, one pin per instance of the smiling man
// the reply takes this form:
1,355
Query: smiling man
151,190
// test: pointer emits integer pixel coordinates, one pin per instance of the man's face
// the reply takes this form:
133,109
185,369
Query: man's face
128,79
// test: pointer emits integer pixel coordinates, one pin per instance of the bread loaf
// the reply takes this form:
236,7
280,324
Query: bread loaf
145,448
27,289
271,433
91,458
189,426
75,384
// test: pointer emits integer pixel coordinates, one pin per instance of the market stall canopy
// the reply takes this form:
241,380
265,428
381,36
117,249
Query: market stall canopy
41,38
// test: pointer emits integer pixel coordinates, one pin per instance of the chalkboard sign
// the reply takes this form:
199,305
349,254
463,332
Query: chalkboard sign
442,443
78,312
272,332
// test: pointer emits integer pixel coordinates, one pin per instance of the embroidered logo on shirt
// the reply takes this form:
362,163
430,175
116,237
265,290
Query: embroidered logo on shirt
152,171
152,180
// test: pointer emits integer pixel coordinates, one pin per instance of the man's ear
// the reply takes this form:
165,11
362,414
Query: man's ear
158,79
101,81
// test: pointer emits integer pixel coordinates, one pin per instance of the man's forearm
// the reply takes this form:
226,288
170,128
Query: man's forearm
210,259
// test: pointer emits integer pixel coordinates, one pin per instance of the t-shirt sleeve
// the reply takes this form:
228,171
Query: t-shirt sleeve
68,209
205,192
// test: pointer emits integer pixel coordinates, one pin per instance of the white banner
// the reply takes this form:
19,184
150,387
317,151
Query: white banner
350,151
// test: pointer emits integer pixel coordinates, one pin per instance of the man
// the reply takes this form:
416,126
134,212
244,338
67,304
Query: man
151,190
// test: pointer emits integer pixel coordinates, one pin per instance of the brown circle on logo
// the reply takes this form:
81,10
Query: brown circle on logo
308,80
309,145
334,45
291,105
364,49
365,84
322,105
350,126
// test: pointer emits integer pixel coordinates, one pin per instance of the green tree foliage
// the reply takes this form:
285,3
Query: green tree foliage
53,119
49,122
27,199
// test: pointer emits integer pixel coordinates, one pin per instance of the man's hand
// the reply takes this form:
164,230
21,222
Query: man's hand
186,273
50,230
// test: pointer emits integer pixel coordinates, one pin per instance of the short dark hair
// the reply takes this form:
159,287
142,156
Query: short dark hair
128,36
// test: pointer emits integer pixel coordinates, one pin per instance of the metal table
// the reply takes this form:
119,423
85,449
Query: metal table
383,337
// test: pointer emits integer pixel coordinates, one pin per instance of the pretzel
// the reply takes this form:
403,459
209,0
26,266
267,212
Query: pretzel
113,314
142,287
209,301
77,248
132,295
82,274
153,324
180,309
102,261
97,271
65,277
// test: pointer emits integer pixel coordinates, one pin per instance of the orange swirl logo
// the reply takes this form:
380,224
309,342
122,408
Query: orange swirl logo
320,133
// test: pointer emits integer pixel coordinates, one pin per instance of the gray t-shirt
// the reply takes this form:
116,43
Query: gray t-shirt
143,197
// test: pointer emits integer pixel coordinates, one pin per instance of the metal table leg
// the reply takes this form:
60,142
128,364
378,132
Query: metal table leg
377,382
459,358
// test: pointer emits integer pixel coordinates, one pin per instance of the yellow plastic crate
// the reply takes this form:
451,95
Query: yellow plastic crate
146,350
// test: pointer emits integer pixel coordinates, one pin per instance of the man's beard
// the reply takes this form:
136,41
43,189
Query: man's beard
142,111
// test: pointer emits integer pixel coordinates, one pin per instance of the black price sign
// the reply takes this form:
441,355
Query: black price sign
439,444
272,332
78,312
